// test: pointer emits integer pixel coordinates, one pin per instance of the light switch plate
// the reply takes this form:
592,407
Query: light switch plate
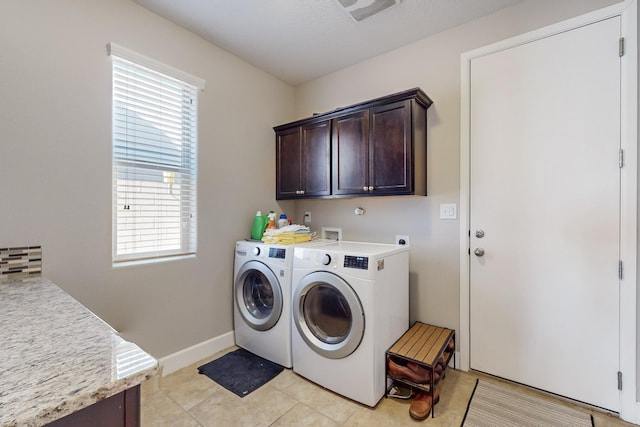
448,211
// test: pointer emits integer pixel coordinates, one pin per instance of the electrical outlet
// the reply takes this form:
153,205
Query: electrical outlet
307,217
402,240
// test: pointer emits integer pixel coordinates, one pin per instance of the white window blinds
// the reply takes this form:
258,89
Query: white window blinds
155,131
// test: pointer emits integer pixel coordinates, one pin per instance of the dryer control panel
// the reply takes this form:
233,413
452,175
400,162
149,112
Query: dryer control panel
359,262
279,253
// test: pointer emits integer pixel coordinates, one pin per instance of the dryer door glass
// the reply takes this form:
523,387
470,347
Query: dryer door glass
328,315
258,295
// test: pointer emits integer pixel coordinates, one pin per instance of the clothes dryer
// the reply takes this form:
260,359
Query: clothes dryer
350,304
262,300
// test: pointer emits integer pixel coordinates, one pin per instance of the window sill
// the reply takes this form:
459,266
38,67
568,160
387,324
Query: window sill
147,261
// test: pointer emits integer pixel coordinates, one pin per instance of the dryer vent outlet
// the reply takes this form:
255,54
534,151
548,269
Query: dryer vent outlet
402,240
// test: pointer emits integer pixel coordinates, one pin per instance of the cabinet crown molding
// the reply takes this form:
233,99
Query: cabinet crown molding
414,93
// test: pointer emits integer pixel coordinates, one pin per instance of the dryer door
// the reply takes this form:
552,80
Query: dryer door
258,295
328,315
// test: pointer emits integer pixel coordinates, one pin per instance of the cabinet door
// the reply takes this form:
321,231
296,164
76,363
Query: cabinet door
351,154
316,159
288,163
120,410
391,157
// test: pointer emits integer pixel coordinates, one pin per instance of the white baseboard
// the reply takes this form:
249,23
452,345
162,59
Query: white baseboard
631,414
195,353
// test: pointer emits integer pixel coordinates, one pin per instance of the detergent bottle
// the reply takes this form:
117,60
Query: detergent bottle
259,224
283,221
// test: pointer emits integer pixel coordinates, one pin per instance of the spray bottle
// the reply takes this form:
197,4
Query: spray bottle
272,220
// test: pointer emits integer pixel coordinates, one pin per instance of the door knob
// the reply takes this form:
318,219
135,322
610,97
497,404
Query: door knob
478,251
479,233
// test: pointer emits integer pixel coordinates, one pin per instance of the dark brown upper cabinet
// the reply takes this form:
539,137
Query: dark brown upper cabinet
375,148
303,161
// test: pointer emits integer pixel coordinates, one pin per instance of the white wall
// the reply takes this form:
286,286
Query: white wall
55,162
434,65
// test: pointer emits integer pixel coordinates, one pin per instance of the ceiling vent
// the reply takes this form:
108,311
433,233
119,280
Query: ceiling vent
361,9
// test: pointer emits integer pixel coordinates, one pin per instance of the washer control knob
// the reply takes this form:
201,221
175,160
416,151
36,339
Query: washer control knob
256,251
326,259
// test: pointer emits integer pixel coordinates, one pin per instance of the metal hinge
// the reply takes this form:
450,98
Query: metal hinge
621,47
620,270
619,380
621,158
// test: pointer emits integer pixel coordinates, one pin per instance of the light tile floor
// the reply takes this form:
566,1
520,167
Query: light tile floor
186,398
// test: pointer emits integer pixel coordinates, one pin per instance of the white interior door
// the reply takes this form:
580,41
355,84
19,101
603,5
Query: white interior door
545,191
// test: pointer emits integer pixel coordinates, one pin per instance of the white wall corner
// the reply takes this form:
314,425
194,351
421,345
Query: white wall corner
195,353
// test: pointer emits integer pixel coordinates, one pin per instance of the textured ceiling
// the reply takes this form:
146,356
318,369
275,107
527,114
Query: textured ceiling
299,40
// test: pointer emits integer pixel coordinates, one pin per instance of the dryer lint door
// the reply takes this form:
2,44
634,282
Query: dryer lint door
258,295
328,315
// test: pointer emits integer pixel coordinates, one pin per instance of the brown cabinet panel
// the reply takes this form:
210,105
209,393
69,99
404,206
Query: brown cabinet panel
120,410
288,162
303,161
316,153
350,141
391,149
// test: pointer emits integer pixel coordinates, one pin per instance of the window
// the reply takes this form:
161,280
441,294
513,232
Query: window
155,110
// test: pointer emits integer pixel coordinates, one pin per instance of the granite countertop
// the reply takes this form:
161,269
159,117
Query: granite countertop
56,356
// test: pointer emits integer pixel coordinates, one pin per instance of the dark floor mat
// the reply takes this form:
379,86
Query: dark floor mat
240,371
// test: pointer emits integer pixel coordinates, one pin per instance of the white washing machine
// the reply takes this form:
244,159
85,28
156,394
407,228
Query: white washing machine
350,304
262,300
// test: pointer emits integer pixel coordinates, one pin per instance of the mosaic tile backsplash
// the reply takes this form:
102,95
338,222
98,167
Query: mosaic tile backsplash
20,261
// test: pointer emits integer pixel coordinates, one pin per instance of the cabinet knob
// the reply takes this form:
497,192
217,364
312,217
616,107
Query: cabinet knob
301,192
365,188
371,188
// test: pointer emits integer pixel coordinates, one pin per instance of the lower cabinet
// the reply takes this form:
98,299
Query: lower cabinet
120,410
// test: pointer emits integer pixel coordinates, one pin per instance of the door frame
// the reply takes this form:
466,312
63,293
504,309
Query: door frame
628,12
